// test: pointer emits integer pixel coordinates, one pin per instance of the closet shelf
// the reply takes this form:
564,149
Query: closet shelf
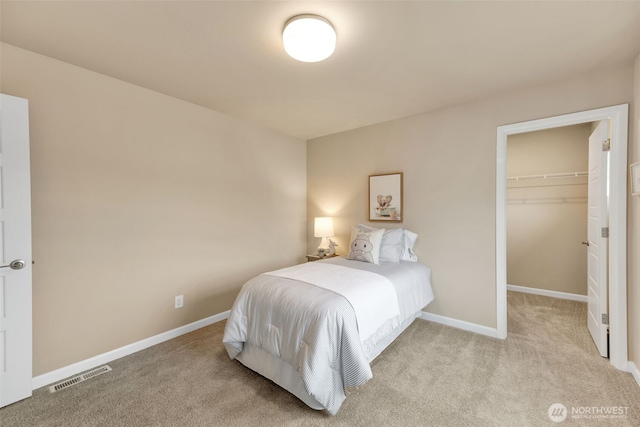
548,180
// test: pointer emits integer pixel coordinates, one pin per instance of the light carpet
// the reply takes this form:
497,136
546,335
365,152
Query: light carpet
432,375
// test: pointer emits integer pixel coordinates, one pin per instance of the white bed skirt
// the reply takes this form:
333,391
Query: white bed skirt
286,376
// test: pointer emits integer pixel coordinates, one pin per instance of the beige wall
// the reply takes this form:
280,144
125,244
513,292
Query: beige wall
546,224
633,258
138,197
449,162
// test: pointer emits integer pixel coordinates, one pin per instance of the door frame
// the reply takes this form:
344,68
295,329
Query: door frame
619,116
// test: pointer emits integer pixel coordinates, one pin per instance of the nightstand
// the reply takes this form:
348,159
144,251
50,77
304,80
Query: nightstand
316,257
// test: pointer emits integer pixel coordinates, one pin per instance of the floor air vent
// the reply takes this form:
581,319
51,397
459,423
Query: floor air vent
80,378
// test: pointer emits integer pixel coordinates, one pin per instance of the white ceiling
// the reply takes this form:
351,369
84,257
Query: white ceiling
393,58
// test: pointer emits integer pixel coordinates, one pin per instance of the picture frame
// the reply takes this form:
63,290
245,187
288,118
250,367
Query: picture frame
385,197
635,179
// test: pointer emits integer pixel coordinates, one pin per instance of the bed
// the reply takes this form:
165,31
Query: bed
314,328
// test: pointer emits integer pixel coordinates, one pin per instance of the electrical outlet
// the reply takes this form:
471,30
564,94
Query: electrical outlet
179,301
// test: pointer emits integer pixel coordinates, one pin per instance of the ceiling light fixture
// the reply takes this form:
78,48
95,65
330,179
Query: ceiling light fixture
309,38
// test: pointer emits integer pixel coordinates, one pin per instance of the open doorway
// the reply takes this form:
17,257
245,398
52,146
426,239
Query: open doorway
547,182
557,199
618,116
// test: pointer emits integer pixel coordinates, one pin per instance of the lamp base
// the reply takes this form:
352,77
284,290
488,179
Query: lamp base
324,246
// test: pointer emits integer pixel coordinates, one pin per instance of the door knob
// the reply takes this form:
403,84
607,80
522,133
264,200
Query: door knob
585,242
16,264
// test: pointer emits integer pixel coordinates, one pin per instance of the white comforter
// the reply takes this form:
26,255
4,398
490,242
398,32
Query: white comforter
316,330
372,296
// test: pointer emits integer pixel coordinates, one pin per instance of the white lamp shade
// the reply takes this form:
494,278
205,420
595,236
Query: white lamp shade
323,227
309,38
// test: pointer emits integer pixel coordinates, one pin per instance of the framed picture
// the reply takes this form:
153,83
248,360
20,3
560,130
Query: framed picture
385,197
635,179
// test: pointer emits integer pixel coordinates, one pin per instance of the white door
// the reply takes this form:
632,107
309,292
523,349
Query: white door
598,245
15,251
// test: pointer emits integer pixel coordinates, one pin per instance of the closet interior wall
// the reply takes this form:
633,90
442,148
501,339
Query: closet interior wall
547,209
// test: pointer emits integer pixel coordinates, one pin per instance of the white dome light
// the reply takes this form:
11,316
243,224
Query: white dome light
309,38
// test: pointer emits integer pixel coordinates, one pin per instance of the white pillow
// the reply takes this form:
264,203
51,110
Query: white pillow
392,246
409,240
365,245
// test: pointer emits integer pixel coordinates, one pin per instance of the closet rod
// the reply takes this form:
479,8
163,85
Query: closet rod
548,180
548,176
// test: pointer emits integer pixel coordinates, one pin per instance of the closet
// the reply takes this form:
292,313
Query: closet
547,182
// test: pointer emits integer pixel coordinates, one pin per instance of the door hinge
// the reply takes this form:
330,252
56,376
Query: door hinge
605,232
606,145
605,319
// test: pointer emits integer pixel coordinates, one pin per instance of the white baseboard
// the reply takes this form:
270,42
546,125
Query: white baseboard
101,359
634,371
547,293
460,324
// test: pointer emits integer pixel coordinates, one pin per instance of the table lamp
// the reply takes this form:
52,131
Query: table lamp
323,227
